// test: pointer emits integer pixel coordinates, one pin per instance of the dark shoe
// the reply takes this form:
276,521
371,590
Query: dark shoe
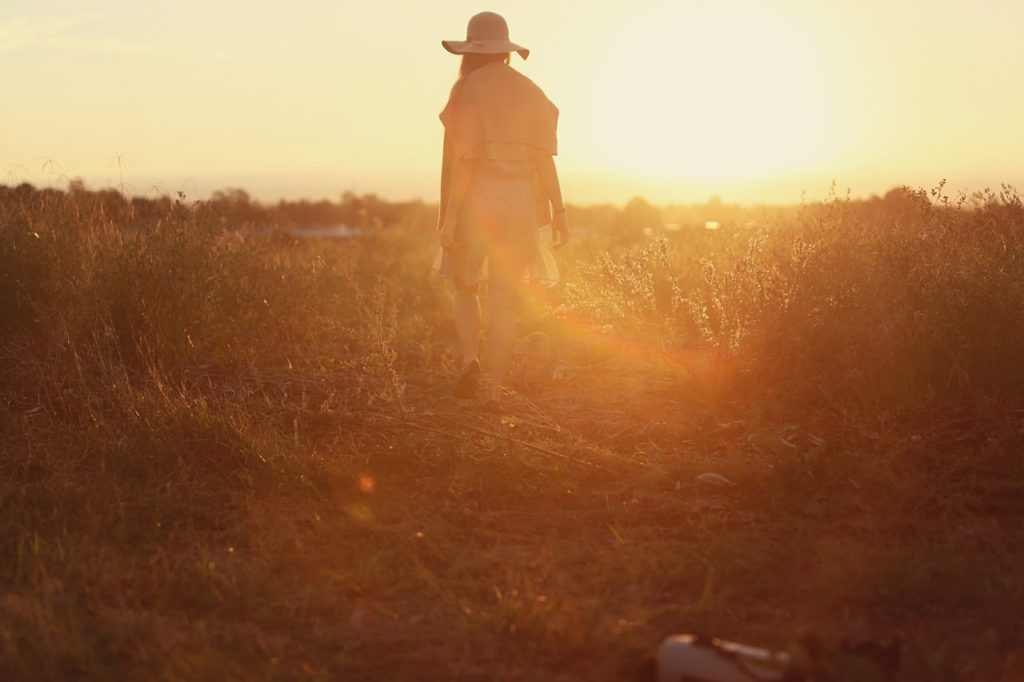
465,388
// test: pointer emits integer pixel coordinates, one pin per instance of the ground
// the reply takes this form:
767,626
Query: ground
263,475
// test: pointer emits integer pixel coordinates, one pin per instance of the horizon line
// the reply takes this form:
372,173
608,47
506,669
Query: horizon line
204,187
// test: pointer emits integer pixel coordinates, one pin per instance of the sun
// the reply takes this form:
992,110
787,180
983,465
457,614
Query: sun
712,90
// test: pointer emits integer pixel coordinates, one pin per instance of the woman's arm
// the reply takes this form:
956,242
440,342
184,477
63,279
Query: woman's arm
460,175
548,176
446,182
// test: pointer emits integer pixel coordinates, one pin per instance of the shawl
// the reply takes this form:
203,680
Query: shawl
498,113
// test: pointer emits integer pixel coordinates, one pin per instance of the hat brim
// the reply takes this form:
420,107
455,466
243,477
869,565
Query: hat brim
484,47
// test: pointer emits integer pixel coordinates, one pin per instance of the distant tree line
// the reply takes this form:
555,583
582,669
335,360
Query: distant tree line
237,210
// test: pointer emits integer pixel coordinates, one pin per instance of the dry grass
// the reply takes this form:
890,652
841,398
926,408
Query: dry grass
235,458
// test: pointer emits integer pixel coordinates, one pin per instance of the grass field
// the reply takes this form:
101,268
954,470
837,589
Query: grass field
234,457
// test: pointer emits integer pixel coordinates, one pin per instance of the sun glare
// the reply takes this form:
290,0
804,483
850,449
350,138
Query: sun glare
711,91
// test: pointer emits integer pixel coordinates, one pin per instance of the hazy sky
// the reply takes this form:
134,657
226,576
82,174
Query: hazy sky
671,99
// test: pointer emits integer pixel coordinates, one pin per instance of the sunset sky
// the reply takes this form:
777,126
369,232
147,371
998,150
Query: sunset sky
673,100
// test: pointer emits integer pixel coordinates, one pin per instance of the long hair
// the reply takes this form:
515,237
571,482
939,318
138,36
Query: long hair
472,61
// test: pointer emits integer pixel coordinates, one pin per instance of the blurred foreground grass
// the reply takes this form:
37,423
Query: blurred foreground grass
234,457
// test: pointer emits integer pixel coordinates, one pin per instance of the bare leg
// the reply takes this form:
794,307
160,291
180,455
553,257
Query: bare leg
501,338
466,312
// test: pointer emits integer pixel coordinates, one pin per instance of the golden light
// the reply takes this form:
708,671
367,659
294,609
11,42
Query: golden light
710,90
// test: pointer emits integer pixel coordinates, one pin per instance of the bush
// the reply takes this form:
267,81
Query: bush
875,304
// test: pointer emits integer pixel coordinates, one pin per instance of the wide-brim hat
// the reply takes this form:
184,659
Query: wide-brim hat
486,33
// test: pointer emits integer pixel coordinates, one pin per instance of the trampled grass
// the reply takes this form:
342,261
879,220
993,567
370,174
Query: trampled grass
231,456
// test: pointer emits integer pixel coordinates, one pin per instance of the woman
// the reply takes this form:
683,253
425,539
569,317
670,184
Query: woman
498,186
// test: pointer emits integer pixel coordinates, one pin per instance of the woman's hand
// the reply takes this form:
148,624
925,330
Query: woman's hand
447,234
559,229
